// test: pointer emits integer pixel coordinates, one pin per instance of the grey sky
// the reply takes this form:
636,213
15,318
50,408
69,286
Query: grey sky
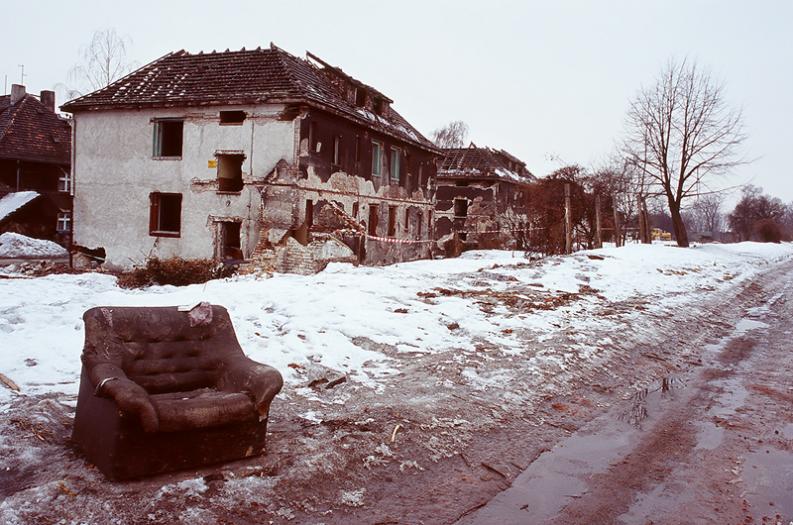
548,81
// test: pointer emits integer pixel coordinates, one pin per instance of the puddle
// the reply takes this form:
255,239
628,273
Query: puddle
787,431
709,436
648,400
733,395
768,478
556,477
662,500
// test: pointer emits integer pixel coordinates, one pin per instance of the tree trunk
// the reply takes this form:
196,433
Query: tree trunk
677,223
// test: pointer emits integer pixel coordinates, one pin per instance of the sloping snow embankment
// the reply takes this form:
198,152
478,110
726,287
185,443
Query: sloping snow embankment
291,319
14,245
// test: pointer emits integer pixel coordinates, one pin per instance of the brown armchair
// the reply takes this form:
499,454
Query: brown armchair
163,389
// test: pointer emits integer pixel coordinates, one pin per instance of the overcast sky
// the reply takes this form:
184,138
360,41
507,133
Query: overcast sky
548,81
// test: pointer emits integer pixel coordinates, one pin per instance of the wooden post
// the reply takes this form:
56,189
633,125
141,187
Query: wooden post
640,214
568,221
616,222
598,233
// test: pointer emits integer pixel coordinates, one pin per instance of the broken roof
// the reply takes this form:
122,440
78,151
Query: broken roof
269,75
30,131
483,163
11,202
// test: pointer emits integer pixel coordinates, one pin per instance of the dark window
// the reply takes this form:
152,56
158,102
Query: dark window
419,218
380,106
460,208
421,176
392,222
407,219
165,214
360,96
312,137
373,219
309,213
168,138
234,118
230,172
354,210
231,240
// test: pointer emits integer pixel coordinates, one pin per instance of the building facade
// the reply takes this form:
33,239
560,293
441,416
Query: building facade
481,199
256,156
35,179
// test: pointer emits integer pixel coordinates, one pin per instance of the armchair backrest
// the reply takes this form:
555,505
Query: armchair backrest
159,347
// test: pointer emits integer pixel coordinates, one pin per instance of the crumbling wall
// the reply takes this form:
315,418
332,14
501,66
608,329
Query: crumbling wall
492,215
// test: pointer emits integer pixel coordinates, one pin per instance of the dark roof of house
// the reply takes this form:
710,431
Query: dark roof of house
29,131
269,75
483,163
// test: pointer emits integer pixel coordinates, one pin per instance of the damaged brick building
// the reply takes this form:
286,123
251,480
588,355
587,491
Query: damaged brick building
253,155
35,155
481,199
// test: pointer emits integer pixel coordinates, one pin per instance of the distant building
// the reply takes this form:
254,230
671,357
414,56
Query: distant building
35,180
481,199
255,156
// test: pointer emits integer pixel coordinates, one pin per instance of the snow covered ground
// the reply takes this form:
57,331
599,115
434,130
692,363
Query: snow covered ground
421,307
14,245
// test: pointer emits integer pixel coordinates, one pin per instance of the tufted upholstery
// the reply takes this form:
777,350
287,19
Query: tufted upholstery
169,372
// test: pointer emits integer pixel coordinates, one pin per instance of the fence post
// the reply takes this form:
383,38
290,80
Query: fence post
616,222
568,221
598,233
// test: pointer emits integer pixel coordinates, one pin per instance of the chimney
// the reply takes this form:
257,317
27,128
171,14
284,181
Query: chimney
17,93
47,98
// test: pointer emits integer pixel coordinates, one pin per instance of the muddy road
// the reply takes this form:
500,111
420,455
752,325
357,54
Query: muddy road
645,413
713,445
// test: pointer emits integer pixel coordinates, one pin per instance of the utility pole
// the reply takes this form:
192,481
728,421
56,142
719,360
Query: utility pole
568,221
598,233
648,229
22,74
616,222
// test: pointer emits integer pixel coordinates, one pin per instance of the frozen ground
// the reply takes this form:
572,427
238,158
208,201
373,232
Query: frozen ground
446,350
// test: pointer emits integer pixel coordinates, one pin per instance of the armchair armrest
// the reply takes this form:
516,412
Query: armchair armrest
111,381
260,382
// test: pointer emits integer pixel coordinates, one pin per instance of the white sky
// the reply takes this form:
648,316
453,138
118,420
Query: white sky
544,80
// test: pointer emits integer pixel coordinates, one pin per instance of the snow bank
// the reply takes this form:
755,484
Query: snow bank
14,245
368,321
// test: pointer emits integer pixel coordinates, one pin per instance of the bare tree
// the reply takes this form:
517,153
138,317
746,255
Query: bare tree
680,133
452,135
104,60
707,210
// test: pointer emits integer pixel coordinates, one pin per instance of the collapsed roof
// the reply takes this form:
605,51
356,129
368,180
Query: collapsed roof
483,163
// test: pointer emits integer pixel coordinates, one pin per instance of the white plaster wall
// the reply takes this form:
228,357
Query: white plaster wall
114,173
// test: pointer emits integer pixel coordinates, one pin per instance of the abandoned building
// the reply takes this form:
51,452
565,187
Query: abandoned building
253,156
35,180
481,199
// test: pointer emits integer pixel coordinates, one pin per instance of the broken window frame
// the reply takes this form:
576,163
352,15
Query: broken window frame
419,220
63,222
232,117
160,126
360,96
337,150
377,158
229,184
156,208
395,165
463,204
355,208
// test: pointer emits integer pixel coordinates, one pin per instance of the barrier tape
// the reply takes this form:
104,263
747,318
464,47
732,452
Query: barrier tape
390,240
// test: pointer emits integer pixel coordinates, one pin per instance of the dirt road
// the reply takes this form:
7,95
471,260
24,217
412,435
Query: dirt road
714,445
651,414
